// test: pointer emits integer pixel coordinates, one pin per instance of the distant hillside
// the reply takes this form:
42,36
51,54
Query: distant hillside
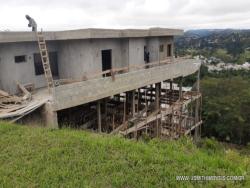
208,32
212,38
36,157
201,32
235,43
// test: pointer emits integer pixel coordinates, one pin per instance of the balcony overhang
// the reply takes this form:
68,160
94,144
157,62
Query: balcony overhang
74,94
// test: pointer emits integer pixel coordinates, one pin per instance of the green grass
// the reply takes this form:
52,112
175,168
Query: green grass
37,157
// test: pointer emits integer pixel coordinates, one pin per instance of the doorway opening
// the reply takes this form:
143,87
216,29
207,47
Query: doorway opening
169,51
106,60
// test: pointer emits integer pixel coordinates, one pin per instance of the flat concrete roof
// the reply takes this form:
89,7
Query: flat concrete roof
21,36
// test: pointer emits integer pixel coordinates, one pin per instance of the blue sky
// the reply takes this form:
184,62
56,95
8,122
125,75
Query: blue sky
77,14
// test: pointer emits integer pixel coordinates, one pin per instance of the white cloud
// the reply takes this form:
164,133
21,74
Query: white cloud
75,14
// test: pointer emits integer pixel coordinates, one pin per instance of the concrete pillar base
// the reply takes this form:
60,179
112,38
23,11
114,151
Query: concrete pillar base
50,116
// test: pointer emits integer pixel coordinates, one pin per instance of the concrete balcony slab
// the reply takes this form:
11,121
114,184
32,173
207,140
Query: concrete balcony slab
74,94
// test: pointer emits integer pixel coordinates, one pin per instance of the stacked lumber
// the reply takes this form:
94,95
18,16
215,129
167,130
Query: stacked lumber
9,103
23,110
14,107
6,98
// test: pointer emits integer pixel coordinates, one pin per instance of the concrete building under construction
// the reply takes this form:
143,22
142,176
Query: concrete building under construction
125,82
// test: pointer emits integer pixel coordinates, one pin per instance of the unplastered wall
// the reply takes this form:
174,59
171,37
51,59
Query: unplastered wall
11,72
165,41
78,58
153,48
124,53
136,51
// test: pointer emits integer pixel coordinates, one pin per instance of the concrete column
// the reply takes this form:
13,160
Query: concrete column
124,108
151,93
127,102
198,80
197,105
146,101
133,103
180,88
139,100
50,116
99,118
157,95
171,92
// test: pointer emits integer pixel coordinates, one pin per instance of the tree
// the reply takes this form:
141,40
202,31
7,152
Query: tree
226,108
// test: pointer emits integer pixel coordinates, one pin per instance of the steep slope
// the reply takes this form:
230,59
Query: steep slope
36,157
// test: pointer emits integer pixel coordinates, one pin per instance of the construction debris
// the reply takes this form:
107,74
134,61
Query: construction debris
27,95
13,107
6,99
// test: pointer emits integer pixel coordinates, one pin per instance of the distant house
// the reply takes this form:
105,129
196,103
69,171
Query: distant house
248,48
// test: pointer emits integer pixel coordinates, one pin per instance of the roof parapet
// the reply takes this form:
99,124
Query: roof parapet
8,37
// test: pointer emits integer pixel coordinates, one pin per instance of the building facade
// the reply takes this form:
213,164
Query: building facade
104,79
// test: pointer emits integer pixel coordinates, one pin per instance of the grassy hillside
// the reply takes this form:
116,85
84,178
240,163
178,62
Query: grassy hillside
231,46
36,157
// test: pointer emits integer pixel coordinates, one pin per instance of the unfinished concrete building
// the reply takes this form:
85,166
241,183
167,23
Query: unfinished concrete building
113,81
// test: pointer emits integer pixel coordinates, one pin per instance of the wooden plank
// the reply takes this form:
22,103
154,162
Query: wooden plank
147,120
8,110
11,99
32,105
193,127
119,128
3,93
27,94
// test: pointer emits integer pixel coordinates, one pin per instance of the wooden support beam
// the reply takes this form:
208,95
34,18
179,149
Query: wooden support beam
193,127
133,103
105,110
27,94
180,88
152,117
197,106
150,93
122,126
139,100
4,93
128,102
171,91
157,95
157,127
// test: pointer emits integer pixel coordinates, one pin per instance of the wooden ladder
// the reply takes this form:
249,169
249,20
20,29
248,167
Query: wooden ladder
45,60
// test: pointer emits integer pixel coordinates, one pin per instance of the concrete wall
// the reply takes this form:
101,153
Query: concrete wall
10,72
165,41
136,51
124,53
76,58
153,48
66,96
79,57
